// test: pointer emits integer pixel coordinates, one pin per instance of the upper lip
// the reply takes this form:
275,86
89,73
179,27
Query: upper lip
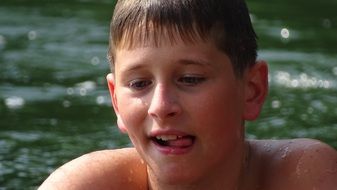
162,132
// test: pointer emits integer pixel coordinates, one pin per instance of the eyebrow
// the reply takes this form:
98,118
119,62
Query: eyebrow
133,68
198,62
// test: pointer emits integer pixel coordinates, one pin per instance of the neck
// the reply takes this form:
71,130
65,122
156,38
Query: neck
229,175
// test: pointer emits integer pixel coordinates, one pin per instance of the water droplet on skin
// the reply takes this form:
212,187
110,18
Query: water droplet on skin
129,179
285,152
267,147
298,168
332,171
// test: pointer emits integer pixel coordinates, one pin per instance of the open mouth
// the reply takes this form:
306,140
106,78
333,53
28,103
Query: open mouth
174,141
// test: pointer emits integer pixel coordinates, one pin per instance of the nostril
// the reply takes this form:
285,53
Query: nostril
164,113
171,114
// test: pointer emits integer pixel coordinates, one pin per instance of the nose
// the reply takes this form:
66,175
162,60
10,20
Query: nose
164,103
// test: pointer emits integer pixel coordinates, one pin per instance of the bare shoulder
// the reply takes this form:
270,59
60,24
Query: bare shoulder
108,169
296,164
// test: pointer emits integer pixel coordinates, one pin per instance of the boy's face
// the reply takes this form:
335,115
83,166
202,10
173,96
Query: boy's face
181,105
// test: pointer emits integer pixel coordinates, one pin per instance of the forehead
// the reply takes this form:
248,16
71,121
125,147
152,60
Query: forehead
149,34
168,56
165,38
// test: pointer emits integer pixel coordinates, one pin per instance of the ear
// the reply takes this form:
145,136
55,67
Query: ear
256,90
111,84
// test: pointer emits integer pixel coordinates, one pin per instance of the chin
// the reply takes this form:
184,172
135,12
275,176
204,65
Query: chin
175,176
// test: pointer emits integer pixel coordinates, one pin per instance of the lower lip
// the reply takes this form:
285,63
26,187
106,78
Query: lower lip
169,150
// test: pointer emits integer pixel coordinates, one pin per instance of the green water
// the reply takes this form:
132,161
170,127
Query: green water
54,104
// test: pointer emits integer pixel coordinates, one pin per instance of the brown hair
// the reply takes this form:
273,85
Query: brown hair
225,22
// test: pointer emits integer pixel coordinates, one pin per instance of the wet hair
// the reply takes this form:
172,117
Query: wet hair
226,23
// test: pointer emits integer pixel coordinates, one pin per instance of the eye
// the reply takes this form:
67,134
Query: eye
191,80
139,84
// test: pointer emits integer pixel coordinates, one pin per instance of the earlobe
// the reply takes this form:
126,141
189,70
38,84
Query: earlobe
121,125
256,90
111,85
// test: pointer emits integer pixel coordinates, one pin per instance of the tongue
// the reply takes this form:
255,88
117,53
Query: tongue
181,142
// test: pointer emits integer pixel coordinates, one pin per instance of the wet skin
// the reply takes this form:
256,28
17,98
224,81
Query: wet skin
181,104
298,164
184,109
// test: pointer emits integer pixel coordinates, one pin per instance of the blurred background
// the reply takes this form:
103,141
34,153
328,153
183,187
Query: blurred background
55,106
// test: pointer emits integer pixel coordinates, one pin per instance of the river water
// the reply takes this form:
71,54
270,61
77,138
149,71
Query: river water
54,103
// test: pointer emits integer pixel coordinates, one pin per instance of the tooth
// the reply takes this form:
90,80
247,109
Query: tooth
167,137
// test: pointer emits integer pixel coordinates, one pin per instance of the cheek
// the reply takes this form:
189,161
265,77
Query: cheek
221,104
219,116
132,111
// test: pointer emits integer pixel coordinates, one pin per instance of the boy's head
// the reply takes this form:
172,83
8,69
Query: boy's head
175,91
226,23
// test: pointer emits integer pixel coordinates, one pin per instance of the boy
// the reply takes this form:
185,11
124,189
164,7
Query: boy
184,79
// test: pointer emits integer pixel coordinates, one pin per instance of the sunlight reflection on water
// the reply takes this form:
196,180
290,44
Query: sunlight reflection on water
285,33
302,81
